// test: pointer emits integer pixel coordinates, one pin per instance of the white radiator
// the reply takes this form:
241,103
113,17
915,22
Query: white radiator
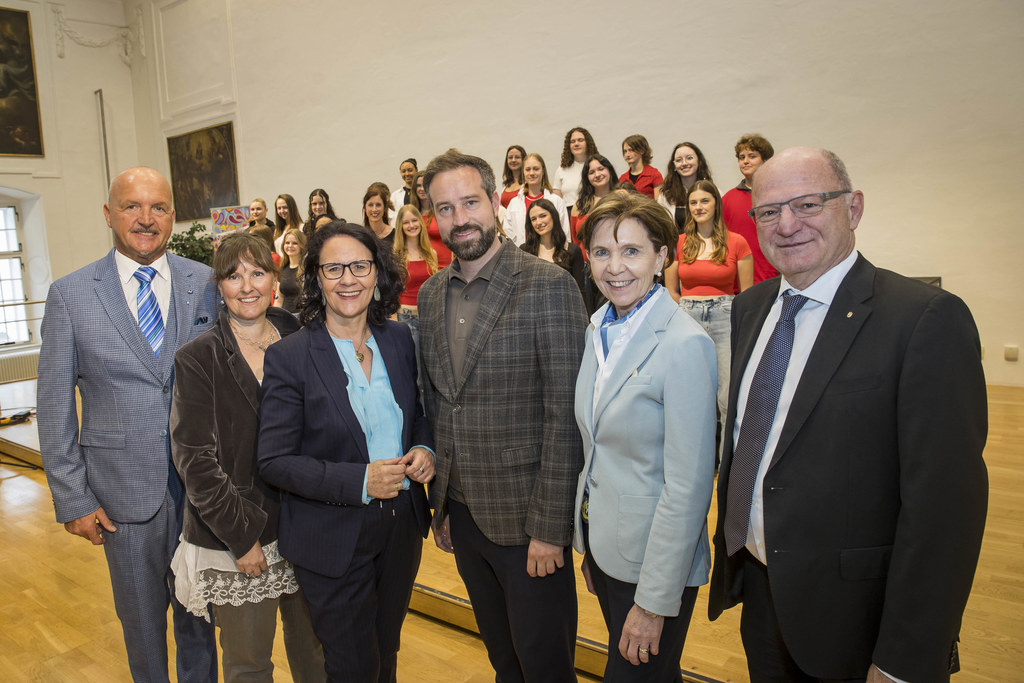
20,365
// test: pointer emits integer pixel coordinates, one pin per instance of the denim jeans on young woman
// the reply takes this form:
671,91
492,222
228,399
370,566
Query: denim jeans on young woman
714,316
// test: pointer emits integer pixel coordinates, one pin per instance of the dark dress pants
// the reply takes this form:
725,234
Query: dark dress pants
358,617
527,623
616,600
768,658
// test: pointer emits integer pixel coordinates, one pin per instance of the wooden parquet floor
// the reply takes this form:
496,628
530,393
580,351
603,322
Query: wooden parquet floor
57,620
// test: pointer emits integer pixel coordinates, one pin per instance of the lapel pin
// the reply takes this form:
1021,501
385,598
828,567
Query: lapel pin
850,314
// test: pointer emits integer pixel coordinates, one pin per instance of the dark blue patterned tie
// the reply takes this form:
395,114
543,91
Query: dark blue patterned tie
762,401
150,320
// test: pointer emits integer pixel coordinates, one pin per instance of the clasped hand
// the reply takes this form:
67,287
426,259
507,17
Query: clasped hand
384,477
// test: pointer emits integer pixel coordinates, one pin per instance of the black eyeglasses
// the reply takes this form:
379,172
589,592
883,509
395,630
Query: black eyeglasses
334,271
803,206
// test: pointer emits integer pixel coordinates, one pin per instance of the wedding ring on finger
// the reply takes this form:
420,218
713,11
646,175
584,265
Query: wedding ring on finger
421,470
643,650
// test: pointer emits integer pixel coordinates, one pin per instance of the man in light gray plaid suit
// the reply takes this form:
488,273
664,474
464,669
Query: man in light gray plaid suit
501,338
111,480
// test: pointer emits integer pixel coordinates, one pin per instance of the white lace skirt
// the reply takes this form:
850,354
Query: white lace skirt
203,577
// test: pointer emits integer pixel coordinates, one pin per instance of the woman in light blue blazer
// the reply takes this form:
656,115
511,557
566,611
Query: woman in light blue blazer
645,405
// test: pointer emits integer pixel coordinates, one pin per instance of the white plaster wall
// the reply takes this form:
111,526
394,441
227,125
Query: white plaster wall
922,99
60,196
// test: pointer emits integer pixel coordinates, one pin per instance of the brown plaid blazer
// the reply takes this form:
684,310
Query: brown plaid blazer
510,415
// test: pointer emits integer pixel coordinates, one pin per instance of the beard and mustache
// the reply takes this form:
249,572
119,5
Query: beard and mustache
470,249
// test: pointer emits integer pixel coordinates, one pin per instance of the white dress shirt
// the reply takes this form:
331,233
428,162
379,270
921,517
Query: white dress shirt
161,284
808,322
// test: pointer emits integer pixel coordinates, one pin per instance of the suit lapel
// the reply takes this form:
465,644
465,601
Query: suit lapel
240,370
438,354
585,384
746,328
325,359
111,296
182,305
637,350
846,315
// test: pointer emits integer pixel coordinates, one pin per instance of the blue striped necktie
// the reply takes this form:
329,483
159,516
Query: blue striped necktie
758,417
150,321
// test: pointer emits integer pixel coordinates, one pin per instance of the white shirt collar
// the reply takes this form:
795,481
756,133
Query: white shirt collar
824,289
126,267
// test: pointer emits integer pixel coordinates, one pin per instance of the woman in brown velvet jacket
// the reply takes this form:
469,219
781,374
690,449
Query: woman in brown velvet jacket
228,557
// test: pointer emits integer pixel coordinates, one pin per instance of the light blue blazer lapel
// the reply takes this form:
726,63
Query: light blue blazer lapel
325,359
585,388
111,296
637,350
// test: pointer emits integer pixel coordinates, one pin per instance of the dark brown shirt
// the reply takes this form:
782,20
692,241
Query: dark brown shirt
461,308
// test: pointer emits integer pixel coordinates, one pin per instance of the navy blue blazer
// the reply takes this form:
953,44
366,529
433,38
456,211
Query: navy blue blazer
313,448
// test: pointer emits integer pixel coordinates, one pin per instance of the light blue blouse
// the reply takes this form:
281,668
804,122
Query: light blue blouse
374,404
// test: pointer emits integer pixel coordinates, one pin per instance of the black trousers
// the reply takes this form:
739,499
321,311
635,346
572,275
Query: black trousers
616,599
358,617
528,624
768,658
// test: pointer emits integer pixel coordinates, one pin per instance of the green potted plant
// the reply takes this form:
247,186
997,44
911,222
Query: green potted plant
193,244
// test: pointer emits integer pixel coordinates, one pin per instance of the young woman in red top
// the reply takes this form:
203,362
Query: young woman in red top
709,260
637,155
422,204
512,174
412,246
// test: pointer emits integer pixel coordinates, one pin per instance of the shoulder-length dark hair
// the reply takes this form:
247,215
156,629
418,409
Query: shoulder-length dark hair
673,187
532,244
390,275
310,226
294,219
587,192
567,153
507,177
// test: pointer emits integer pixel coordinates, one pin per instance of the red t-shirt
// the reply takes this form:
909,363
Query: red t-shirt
735,205
707,278
648,179
506,197
444,254
418,274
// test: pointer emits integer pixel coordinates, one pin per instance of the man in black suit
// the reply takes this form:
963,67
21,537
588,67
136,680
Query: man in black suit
852,491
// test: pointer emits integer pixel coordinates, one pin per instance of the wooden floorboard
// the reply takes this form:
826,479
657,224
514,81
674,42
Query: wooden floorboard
57,620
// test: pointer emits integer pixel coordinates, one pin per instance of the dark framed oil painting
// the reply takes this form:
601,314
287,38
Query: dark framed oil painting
204,173
21,130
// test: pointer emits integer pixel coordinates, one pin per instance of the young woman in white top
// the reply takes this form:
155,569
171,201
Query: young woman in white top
577,147
535,186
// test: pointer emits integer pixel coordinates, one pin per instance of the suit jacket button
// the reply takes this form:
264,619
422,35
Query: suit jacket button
166,389
457,408
163,432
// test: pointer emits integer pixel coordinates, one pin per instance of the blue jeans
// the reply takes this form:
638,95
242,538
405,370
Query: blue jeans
413,321
715,315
